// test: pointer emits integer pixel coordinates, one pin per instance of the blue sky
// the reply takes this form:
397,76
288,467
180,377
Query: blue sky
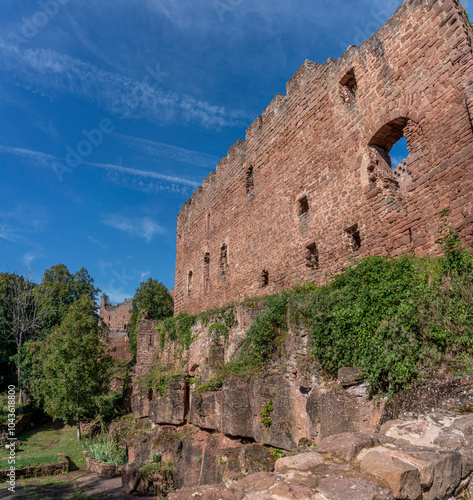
114,111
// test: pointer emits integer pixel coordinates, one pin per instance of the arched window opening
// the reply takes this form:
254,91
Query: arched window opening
249,180
208,223
388,147
189,285
399,152
206,271
223,262
348,87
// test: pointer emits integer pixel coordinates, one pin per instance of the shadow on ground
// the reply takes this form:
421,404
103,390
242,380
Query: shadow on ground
76,485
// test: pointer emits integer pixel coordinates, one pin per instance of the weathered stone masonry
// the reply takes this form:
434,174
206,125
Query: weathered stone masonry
312,184
116,318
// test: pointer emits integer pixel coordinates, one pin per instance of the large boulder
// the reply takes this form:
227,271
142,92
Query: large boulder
131,478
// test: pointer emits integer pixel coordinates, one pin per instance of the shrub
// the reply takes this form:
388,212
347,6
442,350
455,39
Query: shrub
105,449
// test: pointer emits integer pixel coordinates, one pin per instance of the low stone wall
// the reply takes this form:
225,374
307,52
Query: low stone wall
38,470
105,470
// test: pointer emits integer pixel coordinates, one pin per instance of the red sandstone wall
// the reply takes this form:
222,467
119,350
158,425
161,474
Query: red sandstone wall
116,318
119,345
415,74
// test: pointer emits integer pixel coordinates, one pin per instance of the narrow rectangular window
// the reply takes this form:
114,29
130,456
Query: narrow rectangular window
348,87
223,262
264,279
249,180
303,206
312,257
189,285
206,271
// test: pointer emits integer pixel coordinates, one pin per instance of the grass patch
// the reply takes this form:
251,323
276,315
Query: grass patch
42,446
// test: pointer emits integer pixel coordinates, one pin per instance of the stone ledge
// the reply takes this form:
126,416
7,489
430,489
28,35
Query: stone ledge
105,470
38,470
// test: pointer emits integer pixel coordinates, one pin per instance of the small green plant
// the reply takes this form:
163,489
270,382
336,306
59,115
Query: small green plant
158,378
162,335
178,328
155,457
266,420
151,467
214,384
277,453
218,330
105,450
467,16
456,258
198,405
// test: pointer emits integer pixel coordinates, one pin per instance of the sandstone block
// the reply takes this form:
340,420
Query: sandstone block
169,408
349,375
339,411
402,478
339,488
206,493
302,462
131,478
346,445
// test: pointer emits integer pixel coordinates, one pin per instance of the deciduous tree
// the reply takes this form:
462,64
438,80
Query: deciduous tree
72,366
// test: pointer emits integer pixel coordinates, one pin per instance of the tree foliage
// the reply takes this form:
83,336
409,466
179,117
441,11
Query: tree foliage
63,289
72,366
151,296
23,308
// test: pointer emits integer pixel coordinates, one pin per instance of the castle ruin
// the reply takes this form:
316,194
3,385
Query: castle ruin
116,319
312,186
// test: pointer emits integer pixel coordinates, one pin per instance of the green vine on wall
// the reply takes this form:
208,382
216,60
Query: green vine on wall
265,414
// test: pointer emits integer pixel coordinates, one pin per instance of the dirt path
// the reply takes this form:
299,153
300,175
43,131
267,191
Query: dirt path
76,485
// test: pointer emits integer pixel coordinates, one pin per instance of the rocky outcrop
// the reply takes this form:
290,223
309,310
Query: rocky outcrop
224,431
305,407
426,457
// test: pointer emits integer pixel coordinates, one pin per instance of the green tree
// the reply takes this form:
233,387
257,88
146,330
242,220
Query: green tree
23,308
72,366
63,289
151,296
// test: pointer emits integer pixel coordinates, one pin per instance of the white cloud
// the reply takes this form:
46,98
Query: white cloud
143,274
8,233
137,227
52,74
46,160
28,258
160,149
